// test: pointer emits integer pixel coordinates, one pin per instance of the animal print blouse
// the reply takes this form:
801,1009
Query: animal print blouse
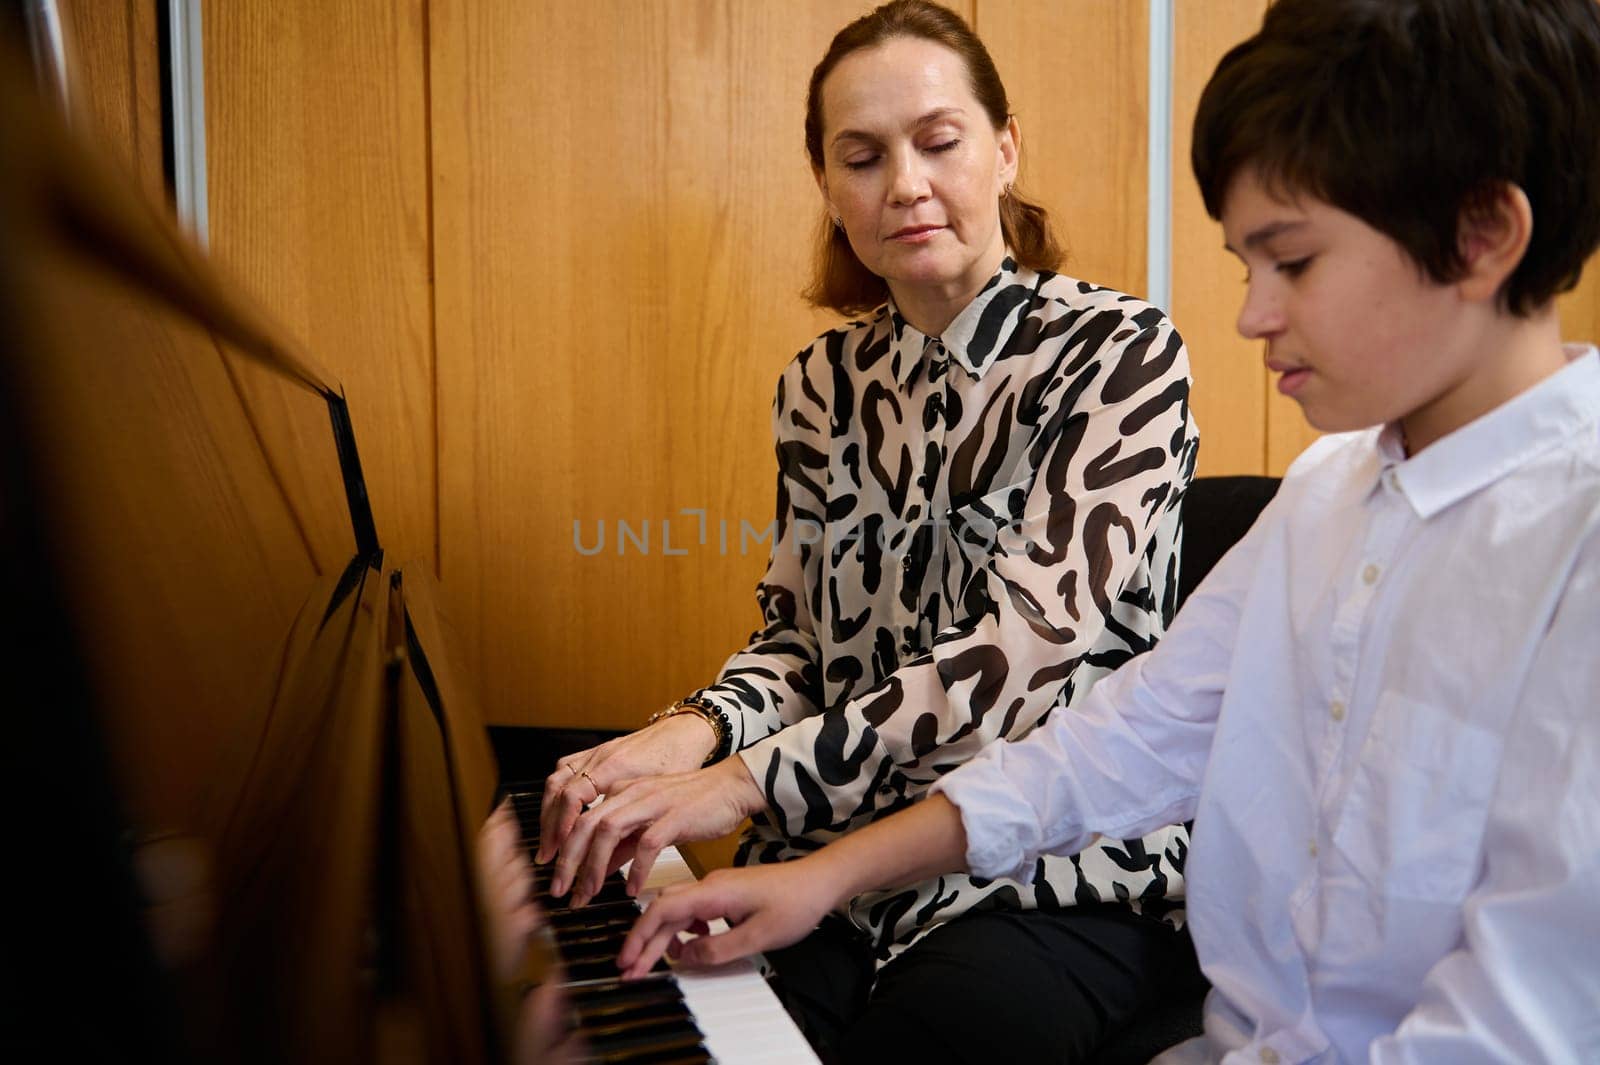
971,530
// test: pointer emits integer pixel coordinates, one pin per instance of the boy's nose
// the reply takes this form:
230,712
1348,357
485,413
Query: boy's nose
1260,317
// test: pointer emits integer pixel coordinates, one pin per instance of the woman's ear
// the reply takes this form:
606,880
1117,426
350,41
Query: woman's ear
1009,144
1493,234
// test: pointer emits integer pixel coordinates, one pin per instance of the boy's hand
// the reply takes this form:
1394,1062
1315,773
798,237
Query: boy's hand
768,906
641,817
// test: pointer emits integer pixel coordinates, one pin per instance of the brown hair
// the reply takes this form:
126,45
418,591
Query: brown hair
1410,114
839,281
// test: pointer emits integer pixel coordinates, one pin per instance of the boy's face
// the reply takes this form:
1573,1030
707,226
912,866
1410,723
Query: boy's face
1357,333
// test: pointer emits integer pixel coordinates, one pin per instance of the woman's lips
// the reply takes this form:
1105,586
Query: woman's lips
915,234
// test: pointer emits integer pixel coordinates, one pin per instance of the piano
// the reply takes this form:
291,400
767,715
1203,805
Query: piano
248,784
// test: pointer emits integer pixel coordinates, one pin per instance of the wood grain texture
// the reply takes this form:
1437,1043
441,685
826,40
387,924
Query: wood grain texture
115,61
1580,308
316,118
622,217
1231,384
1078,79
188,561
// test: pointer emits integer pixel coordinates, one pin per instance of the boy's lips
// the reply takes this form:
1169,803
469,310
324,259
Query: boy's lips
1291,381
1291,377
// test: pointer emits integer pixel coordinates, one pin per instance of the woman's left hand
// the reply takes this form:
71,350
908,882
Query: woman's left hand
643,816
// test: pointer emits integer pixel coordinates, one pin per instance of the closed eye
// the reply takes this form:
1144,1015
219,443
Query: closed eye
1295,267
945,147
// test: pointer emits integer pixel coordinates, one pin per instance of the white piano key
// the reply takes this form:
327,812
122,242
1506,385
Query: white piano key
740,1016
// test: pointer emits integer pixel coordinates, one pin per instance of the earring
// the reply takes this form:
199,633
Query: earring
838,223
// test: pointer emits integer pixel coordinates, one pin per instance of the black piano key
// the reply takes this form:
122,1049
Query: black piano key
619,986
623,1004
617,1021
602,937
566,917
638,1022
601,968
599,960
640,1042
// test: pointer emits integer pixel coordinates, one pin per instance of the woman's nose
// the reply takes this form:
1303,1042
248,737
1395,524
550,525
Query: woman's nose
910,183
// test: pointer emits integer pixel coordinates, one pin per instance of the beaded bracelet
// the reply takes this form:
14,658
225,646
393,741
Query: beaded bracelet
708,712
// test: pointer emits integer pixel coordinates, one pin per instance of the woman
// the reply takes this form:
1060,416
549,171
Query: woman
977,517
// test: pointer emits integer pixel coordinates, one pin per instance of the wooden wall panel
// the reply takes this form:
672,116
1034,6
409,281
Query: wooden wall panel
623,210
116,82
1580,308
1078,79
317,130
1231,384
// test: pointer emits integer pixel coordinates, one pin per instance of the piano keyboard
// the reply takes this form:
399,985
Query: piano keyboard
727,1014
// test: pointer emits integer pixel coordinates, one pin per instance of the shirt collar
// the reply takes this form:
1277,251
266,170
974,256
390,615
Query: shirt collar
972,340
1482,451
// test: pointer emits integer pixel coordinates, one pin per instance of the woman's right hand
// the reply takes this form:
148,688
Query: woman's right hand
675,744
767,906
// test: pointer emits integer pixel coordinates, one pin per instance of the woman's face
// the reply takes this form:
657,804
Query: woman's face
915,170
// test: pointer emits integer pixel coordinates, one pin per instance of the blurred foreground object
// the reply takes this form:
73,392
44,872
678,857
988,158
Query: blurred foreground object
246,783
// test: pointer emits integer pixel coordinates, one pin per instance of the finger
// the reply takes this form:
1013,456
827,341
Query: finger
661,914
650,954
549,817
554,784
613,823
623,853
678,907
741,940
695,929
573,857
568,810
570,856
553,811
543,1022
651,843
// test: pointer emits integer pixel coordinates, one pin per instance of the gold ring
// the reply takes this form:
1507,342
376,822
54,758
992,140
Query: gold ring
571,770
590,779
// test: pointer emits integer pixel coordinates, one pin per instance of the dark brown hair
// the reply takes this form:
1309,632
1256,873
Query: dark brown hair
1412,114
839,281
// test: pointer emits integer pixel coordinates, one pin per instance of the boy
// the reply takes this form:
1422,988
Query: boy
1381,708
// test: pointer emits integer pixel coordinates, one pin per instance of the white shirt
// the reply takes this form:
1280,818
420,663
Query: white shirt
1382,709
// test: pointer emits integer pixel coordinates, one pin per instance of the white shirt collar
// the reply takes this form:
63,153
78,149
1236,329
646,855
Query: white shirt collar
1486,449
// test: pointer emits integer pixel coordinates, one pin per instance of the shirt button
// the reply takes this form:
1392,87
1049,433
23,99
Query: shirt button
1312,849
1336,710
1269,1056
1369,575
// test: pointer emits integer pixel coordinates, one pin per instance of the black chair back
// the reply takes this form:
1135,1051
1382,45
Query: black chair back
1216,513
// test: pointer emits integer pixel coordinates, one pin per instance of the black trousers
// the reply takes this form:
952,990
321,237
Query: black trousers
994,986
